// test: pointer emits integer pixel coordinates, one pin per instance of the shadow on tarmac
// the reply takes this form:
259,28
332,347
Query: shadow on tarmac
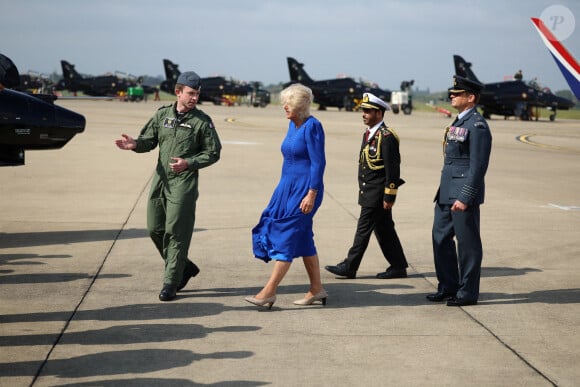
136,312
29,239
115,363
125,334
163,383
52,278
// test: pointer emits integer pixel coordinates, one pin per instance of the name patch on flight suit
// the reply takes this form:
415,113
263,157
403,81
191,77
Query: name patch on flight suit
457,134
169,122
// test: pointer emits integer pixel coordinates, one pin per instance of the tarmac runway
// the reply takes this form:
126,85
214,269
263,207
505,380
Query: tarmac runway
79,277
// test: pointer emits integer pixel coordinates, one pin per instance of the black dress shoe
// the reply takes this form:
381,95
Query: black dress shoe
460,302
440,296
190,271
393,273
341,270
168,292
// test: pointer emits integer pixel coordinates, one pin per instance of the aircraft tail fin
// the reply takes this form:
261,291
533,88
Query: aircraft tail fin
68,71
565,61
171,70
297,73
463,68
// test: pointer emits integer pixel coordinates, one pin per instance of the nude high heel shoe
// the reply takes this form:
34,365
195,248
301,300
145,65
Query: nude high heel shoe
265,302
320,296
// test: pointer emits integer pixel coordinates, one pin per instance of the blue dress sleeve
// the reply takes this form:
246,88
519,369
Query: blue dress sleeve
315,145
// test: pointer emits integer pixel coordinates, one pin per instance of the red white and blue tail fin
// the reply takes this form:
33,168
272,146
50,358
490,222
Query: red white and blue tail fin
565,61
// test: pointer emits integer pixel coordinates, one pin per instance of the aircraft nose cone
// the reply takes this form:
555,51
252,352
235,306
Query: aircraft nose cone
70,120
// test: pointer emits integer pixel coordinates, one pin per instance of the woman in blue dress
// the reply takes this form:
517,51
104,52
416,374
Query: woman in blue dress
284,231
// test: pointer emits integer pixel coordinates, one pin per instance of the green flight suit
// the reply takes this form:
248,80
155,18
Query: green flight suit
171,206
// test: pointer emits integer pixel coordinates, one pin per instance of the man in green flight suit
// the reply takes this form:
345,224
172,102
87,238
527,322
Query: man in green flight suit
187,142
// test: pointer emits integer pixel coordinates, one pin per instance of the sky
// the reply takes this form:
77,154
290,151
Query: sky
383,41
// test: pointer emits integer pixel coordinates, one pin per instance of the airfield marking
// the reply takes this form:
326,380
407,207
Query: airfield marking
231,120
525,138
565,208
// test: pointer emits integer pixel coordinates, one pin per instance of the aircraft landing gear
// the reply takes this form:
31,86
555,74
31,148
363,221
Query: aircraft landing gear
348,104
553,115
525,116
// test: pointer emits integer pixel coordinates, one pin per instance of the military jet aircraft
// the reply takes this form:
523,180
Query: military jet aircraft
30,121
98,86
343,93
102,85
512,98
35,83
565,61
217,90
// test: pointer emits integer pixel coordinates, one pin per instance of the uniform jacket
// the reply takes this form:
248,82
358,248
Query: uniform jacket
191,137
467,146
379,168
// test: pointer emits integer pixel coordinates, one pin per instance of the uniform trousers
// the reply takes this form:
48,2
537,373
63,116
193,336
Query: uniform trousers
170,223
458,267
381,222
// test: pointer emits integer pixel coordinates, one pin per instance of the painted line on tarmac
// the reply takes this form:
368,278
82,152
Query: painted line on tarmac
562,207
231,120
525,138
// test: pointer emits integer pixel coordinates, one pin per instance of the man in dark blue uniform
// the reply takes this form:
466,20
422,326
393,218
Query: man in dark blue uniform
466,146
378,179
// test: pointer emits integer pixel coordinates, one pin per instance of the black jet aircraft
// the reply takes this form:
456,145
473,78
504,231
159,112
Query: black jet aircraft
339,92
213,89
98,86
513,98
30,121
34,83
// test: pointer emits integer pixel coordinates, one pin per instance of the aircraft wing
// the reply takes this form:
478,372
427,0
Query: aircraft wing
565,61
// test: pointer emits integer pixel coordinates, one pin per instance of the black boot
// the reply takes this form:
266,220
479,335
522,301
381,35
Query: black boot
168,292
190,271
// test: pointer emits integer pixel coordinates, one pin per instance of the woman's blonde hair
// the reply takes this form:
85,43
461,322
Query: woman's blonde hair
299,97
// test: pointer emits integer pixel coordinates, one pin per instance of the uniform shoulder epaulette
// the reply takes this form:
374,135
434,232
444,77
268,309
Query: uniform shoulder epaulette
165,106
387,131
203,116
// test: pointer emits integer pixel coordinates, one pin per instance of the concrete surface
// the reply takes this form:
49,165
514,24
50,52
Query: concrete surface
79,277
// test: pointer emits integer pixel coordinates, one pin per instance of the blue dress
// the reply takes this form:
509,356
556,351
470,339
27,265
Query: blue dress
284,232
